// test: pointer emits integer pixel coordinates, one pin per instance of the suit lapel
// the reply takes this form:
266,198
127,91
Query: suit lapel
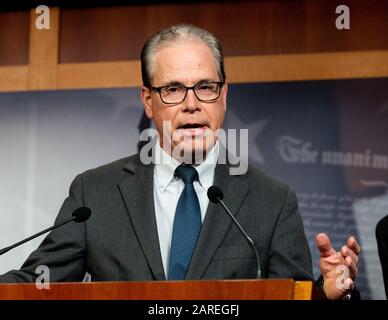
137,193
217,222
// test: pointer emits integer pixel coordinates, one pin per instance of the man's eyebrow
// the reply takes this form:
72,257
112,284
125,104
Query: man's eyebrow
173,83
177,83
206,80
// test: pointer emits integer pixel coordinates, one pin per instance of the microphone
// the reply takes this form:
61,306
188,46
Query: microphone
79,215
216,195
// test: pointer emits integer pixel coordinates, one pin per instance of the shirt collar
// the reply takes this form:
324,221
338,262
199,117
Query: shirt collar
165,167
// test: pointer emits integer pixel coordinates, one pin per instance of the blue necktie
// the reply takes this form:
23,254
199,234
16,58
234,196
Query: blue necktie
187,225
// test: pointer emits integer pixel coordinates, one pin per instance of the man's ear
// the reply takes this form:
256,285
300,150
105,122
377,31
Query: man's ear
224,93
147,101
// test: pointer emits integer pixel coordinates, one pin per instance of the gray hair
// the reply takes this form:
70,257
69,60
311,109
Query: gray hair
174,34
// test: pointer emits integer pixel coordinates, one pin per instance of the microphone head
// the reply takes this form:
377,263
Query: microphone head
215,194
82,214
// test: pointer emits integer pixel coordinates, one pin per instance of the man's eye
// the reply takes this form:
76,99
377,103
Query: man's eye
173,89
205,87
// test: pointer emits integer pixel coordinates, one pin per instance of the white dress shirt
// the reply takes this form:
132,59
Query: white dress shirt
168,188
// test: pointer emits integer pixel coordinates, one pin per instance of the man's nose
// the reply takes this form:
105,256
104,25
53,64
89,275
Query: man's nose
191,102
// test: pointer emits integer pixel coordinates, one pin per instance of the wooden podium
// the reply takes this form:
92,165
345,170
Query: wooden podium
278,289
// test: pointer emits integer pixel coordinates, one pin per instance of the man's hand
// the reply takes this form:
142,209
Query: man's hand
339,269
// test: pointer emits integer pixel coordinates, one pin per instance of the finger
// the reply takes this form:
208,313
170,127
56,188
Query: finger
324,245
334,259
329,264
353,269
353,244
347,252
345,285
349,284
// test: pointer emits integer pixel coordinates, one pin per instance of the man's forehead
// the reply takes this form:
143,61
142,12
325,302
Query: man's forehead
185,61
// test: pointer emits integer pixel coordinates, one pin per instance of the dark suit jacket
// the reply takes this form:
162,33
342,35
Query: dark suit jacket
120,242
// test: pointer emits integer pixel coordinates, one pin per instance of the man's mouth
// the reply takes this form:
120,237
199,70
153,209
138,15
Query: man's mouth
192,129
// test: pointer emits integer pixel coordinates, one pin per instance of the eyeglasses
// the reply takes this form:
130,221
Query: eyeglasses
205,91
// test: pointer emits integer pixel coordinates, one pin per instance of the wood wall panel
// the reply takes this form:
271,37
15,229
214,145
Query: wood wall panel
304,67
239,69
43,53
99,75
272,40
244,27
14,29
13,78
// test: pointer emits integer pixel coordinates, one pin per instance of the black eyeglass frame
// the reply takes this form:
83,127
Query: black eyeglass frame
219,85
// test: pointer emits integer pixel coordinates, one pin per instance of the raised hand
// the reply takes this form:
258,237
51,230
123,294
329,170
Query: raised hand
338,268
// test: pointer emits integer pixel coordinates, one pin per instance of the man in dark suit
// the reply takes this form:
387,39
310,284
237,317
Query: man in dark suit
153,221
